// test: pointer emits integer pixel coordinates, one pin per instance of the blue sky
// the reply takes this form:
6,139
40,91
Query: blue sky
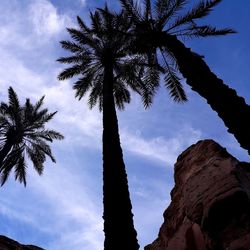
63,208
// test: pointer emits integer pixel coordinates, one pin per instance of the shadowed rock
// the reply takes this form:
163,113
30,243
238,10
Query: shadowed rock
210,206
9,244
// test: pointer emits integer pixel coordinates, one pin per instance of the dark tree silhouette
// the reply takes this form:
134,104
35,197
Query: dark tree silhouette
156,32
23,132
100,55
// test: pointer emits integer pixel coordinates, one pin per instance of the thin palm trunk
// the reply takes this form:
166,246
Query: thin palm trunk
118,218
4,151
230,107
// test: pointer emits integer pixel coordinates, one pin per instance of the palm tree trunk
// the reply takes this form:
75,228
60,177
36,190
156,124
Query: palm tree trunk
230,107
118,218
4,152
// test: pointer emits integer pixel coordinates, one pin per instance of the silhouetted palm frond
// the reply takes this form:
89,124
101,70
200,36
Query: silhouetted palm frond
158,19
106,41
23,133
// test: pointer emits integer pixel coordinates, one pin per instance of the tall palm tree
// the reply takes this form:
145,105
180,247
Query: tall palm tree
157,30
100,56
23,132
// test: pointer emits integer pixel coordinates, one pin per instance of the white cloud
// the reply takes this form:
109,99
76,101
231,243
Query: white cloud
71,213
45,18
82,2
160,149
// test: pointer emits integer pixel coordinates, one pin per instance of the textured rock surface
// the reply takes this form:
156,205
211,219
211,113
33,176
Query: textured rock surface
9,244
210,206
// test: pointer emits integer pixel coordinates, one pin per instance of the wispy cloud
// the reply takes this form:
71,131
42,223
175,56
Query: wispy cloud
82,2
71,213
164,150
45,19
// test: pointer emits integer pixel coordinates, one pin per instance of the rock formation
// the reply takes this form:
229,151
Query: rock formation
9,244
210,208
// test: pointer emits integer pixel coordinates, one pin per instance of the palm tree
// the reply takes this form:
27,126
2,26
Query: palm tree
23,132
157,31
100,56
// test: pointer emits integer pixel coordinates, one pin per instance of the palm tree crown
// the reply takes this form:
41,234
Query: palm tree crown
23,132
168,17
106,43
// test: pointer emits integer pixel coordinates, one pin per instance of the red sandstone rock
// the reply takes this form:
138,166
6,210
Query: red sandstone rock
210,206
9,244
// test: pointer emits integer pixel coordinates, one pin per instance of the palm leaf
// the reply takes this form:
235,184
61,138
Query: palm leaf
13,99
71,46
172,9
173,84
202,9
121,95
25,129
148,10
70,72
39,104
133,10
96,92
20,171
79,58
204,31
83,85
82,25
82,38
8,164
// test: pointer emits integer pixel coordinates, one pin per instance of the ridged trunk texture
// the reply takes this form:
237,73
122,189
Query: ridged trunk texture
230,107
118,218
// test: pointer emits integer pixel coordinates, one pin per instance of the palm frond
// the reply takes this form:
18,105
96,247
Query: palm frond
148,10
48,135
162,7
71,46
82,25
133,10
71,72
96,92
147,93
79,58
8,164
202,9
37,157
4,108
48,116
97,26
172,8
24,130
83,38
173,84
83,85
204,31
39,104
13,99
20,171
121,95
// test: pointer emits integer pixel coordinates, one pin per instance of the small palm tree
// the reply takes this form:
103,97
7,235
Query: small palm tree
100,56
156,31
23,132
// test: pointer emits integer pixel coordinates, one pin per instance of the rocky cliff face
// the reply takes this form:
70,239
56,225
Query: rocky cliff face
9,244
210,208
